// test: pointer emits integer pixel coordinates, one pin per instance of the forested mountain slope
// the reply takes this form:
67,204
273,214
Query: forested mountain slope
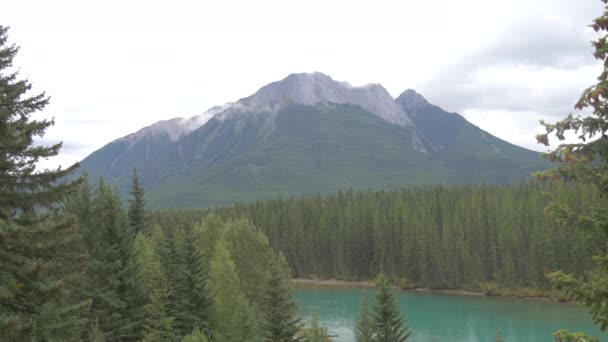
308,134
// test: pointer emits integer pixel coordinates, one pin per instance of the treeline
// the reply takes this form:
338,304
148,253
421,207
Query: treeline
475,237
208,279
435,236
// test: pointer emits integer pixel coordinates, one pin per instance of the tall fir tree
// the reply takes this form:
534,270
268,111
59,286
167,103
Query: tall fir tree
157,322
39,254
280,322
116,287
363,328
190,293
137,206
389,325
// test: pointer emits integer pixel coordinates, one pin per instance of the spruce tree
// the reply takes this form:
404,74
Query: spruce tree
363,328
280,322
137,206
157,323
39,255
190,294
116,288
388,324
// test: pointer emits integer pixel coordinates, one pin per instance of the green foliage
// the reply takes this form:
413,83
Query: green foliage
137,212
231,313
364,331
280,320
158,322
388,324
179,279
432,236
314,333
251,252
191,301
196,336
96,335
585,161
566,336
40,251
113,277
149,262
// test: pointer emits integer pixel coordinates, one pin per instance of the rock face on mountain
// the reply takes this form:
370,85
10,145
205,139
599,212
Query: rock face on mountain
308,134
410,101
313,88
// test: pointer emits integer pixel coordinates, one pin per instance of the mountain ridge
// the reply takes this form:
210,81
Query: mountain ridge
308,133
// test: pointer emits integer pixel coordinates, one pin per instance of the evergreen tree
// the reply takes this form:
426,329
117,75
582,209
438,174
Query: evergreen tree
231,314
363,327
281,322
116,288
39,255
148,262
157,323
314,333
251,252
96,335
388,324
585,161
137,204
195,336
190,286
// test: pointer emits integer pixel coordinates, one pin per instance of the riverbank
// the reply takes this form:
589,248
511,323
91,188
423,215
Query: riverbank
307,282
332,282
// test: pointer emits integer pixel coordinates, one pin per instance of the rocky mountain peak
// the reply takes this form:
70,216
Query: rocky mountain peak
410,101
316,87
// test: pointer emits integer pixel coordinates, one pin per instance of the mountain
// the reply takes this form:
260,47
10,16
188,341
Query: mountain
310,89
308,134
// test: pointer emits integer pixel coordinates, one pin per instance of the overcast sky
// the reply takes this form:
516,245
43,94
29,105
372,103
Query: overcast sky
112,67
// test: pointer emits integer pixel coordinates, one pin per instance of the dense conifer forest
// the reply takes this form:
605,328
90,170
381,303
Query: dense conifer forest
491,238
214,278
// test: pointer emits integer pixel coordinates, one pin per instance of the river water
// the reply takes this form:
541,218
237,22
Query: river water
450,318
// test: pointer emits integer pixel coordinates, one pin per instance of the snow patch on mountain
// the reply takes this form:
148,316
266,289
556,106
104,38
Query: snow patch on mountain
177,127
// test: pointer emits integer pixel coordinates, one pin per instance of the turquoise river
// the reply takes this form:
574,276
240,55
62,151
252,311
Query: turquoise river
450,318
